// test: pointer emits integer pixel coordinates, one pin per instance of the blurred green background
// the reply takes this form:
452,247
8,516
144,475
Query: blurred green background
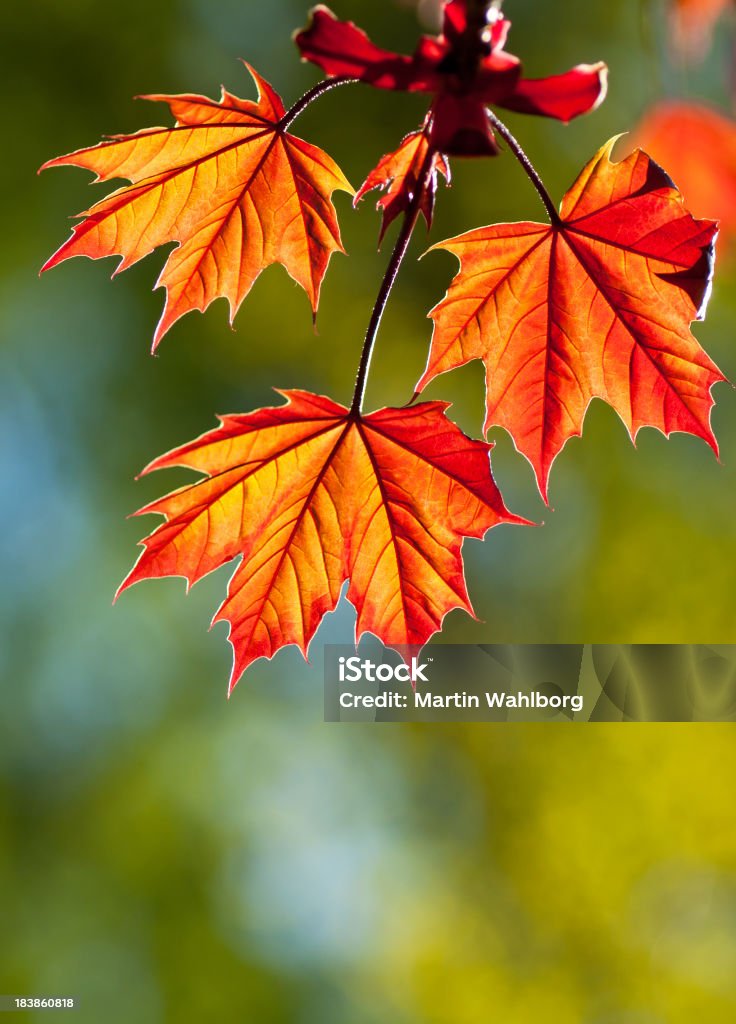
166,855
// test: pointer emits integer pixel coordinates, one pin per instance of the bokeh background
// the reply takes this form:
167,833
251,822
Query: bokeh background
169,856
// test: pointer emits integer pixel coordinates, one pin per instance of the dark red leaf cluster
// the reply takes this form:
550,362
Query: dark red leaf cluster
466,69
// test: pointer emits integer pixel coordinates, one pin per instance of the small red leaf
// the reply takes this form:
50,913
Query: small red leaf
398,174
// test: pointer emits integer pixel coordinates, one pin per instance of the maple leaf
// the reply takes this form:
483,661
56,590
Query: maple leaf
466,68
704,168
311,495
229,184
596,304
398,175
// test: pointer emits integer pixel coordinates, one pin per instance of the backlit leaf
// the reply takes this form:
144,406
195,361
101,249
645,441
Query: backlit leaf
227,183
398,174
596,305
310,496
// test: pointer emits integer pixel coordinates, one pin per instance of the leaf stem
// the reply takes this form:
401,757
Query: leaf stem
316,91
389,278
528,167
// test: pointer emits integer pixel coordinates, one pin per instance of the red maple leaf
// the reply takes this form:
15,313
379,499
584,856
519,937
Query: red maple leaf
596,304
229,184
310,495
466,69
399,173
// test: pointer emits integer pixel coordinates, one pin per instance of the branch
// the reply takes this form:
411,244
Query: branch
309,97
527,166
392,270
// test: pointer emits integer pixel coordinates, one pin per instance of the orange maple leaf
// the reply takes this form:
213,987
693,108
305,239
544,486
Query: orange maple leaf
697,145
596,304
311,495
398,173
229,184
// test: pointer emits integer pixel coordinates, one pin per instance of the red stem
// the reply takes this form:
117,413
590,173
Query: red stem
527,166
389,278
317,90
